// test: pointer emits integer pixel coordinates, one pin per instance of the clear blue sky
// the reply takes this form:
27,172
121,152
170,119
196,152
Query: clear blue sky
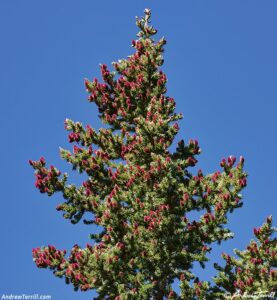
222,68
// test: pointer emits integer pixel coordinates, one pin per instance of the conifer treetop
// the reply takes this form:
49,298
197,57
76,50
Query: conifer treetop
138,194
146,30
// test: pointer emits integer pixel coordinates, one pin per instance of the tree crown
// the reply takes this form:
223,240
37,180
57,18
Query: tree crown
139,194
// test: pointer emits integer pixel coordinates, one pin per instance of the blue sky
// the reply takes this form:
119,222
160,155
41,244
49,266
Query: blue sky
222,69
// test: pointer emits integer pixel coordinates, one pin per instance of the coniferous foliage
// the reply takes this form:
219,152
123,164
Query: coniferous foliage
139,194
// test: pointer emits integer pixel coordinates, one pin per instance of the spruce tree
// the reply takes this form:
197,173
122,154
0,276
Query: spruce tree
139,194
